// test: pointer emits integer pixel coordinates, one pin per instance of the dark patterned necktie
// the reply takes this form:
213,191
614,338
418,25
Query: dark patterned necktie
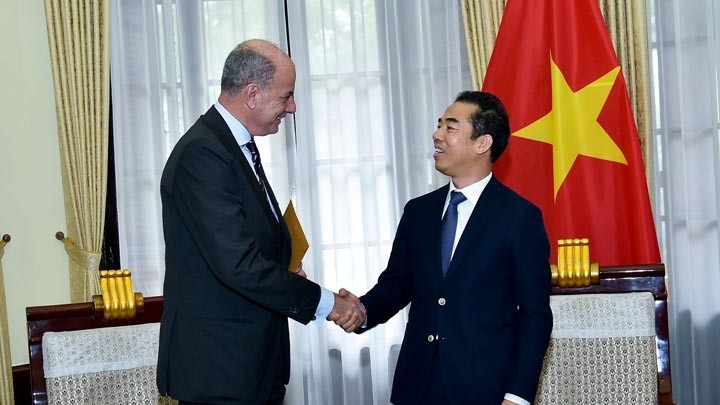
448,228
255,154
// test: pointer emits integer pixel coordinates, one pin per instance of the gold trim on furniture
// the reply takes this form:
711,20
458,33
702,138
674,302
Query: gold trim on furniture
118,300
573,268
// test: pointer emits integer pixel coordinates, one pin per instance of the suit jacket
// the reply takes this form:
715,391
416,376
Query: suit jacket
227,291
491,312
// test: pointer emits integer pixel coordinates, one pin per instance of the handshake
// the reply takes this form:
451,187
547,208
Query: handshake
348,312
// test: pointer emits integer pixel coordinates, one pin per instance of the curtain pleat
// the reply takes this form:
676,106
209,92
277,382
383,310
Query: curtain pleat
6,381
78,33
482,21
627,24
686,83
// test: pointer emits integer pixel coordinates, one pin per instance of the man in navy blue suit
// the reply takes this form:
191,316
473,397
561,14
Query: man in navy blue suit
473,259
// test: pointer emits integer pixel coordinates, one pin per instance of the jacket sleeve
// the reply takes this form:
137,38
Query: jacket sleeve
531,269
208,194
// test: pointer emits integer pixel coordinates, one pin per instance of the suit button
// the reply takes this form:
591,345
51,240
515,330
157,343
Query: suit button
442,301
431,338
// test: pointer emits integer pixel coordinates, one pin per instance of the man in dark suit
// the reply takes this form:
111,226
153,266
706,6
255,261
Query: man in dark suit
228,292
473,259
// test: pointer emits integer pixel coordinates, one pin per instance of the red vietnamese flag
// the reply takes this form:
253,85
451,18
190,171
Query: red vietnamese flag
574,149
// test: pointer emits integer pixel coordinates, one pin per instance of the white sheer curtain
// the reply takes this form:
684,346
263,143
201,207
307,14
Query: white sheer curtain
372,78
685,61
376,75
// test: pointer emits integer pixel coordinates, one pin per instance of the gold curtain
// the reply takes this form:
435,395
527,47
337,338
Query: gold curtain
627,24
6,381
482,21
78,33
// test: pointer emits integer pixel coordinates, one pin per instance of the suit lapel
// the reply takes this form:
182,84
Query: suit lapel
280,221
436,205
215,121
490,200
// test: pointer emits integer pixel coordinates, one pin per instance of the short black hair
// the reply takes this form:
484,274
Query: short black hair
489,119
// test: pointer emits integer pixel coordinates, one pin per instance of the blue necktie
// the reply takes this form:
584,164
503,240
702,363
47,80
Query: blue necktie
255,154
447,230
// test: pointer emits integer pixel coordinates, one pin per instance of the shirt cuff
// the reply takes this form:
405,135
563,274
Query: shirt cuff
325,306
516,399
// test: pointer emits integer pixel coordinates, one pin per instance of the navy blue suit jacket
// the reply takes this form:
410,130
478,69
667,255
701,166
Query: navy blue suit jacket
228,293
491,312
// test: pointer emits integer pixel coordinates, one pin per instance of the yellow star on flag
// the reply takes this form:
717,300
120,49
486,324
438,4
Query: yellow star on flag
571,126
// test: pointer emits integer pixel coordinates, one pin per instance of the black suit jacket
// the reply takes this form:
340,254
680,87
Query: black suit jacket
491,312
227,291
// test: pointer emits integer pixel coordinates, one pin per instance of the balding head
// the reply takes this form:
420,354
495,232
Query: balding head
258,86
252,61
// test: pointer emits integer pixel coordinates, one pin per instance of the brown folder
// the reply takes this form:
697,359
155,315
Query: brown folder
297,236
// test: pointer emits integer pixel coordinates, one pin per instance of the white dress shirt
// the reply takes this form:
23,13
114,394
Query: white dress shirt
465,208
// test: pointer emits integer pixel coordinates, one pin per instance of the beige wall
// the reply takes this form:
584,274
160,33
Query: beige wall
31,203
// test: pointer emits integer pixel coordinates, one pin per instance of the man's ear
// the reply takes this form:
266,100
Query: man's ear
250,95
483,144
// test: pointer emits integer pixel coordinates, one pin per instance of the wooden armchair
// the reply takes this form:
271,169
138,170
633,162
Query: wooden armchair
60,326
634,351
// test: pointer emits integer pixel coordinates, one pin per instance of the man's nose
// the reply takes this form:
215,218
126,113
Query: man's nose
436,135
291,107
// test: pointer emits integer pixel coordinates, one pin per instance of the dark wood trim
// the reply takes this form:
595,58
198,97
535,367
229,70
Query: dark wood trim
623,279
69,317
643,278
21,384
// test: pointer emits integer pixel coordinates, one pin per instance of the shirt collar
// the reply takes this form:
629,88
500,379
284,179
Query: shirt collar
241,135
473,191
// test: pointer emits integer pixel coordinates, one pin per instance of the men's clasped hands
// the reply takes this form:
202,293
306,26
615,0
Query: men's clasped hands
348,313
